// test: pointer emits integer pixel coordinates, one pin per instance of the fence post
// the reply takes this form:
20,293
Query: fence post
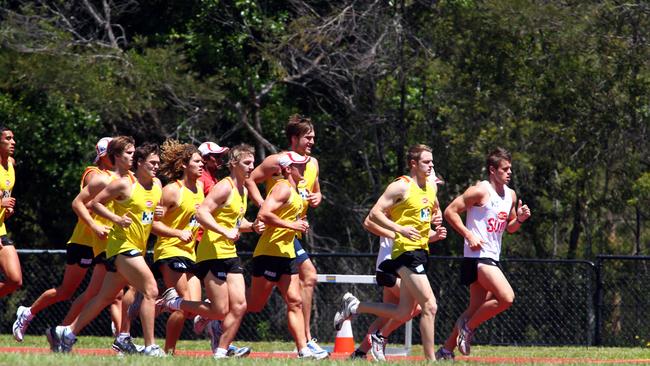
599,301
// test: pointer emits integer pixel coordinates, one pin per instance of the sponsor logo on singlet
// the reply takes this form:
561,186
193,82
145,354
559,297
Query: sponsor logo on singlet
498,224
147,217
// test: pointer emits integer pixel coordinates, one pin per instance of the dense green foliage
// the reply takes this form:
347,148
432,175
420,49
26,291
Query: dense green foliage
564,85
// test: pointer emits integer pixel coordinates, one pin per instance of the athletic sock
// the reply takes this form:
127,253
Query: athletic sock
28,313
121,336
221,352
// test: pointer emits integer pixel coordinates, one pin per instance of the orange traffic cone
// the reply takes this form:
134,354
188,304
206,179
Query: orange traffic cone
344,341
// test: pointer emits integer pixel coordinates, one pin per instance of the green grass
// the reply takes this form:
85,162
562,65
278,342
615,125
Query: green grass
599,353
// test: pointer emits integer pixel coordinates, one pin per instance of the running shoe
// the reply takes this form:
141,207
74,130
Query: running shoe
464,338
200,324
154,351
238,352
345,312
22,322
307,354
65,338
378,346
315,348
357,355
167,299
134,309
219,356
442,354
55,345
214,331
126,346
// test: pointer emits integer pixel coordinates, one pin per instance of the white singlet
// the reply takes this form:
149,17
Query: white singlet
385,250
488,222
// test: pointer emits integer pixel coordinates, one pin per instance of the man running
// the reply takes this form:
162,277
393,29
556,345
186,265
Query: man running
300,133
389,281
82,247
410,202
222,215
491,210
9,262
135,201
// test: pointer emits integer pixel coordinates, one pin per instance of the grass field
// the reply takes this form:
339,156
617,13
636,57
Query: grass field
28,353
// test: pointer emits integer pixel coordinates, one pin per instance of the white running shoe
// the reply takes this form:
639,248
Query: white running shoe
167,299
307,354
65,338
219,356
378,346
345,312
154,351
200,324
464,338
22,322
315,348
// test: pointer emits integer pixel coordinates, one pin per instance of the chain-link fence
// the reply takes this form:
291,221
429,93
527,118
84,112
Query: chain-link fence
557,302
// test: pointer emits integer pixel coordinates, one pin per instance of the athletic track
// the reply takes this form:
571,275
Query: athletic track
262,355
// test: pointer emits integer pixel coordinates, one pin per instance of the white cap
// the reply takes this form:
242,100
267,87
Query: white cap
102,147
433,178
210,147
292,157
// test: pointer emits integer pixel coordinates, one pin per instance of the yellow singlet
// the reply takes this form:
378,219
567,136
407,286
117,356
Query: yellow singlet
140,207
278,241
214,245
82,233
7,181
182,217
304,187
415,210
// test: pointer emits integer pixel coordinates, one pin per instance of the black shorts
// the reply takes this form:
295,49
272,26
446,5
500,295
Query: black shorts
4,239
81,255
385,279
469,269
219,268
272,268
177,264
301,253
417,261
100,258
110,262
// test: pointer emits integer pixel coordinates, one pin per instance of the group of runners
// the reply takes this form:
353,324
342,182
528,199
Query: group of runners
197,220
407,217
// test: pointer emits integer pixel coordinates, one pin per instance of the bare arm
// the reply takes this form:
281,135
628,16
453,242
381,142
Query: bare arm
262,172
393,194
95,184
517,216
439,232
277,198
473,196
373,228
315,197
116,190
